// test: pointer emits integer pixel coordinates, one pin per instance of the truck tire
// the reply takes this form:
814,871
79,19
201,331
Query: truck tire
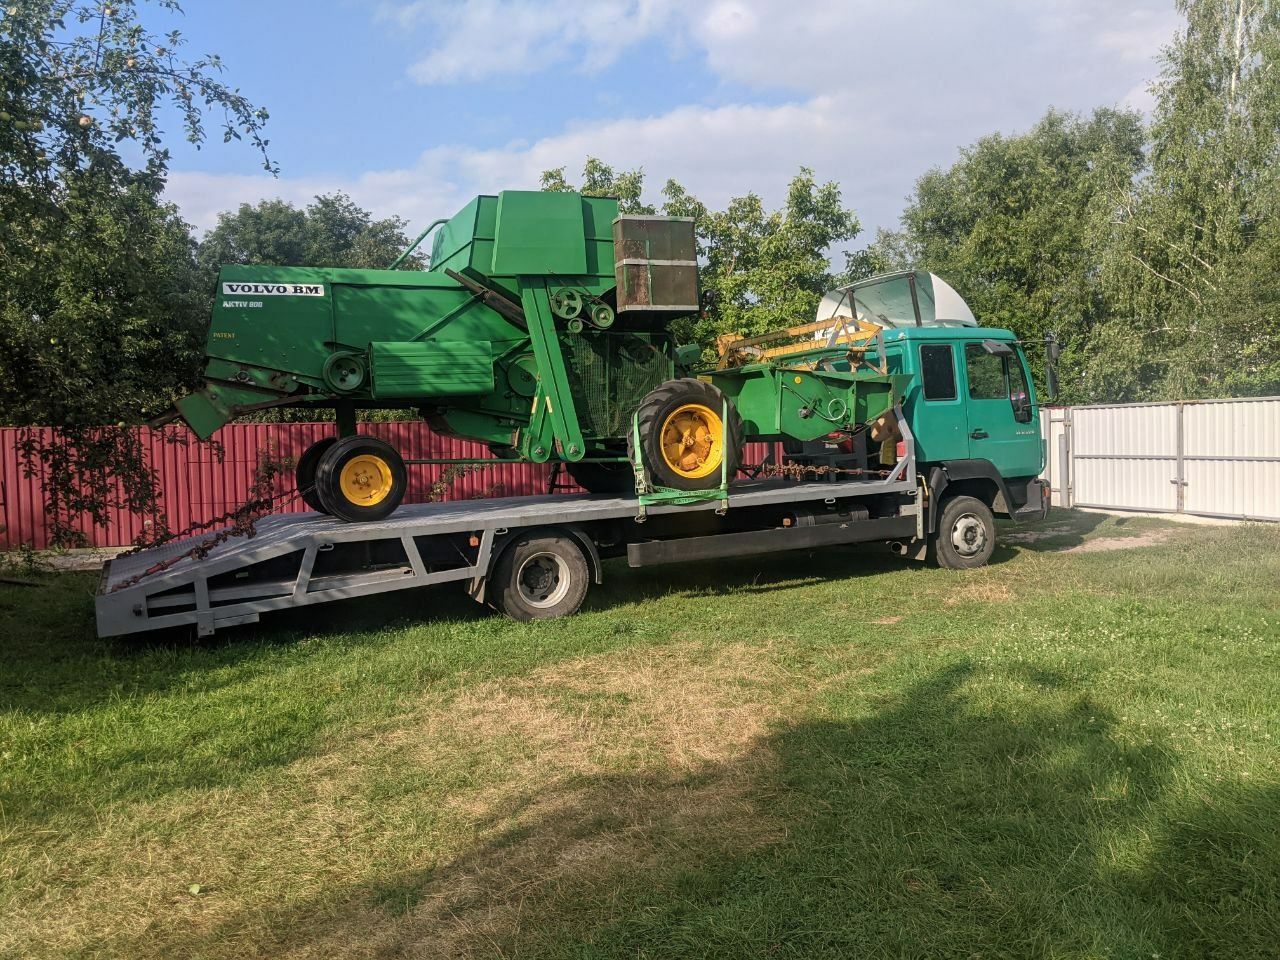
361,478
304,475
966,534
540,576
682,435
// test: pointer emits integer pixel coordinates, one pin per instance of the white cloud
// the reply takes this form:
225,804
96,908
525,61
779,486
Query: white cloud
484,38
691,144
877,95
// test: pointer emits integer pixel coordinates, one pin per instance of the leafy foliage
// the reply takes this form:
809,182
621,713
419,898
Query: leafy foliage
1151,250
1016,224
331,231
99,303
601,180
761,268
1190,273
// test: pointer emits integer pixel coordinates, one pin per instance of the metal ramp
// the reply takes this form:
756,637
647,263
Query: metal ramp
300,559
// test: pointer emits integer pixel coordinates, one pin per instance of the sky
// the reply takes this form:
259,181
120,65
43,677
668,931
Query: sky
414,106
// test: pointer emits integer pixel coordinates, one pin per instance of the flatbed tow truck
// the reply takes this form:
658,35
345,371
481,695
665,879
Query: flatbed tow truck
530,557
963,446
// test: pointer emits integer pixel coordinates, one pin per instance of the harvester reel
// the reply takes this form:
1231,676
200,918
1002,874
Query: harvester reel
345,372
566,303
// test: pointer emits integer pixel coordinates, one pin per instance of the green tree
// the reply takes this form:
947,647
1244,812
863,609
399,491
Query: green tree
1190,270
764,269
761,269
98,304
601,180
1019,223
331,231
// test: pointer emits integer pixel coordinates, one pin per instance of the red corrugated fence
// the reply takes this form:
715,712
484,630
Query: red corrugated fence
197,486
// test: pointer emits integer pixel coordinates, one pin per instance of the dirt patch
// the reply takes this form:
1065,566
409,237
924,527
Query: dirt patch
443,833
985,590
1034,536
612,766
1101,544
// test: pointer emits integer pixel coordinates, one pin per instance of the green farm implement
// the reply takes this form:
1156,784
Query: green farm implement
543,329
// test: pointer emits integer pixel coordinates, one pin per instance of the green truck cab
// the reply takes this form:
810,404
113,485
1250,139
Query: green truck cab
969,403
973,412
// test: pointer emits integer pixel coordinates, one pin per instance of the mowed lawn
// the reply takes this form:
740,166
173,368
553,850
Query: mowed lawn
1070,753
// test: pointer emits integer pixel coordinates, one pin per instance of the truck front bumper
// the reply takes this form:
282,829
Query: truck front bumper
1039,499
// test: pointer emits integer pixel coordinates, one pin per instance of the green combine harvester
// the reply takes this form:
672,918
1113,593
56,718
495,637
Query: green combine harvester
542,329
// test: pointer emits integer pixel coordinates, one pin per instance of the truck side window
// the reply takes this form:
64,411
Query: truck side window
938,372
986,373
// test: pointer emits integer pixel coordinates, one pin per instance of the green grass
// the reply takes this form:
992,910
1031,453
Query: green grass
1066,754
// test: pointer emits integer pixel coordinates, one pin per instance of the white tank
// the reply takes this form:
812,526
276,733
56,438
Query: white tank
887,301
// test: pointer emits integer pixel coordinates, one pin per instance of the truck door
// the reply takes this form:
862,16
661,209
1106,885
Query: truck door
1004,424
937,408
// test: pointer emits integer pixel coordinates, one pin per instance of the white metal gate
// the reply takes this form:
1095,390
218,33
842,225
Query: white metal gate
1213,458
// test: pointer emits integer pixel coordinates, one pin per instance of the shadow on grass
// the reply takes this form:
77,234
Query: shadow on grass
939,824
67,668
1061,530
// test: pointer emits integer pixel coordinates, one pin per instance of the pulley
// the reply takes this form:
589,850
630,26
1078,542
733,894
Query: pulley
566,303
345,372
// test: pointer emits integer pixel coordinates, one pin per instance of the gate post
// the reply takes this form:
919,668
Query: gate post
1064,455
1180,481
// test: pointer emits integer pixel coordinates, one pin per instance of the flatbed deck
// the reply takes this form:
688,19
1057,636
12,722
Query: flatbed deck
299,559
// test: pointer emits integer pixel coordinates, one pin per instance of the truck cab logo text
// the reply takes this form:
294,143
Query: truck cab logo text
274,289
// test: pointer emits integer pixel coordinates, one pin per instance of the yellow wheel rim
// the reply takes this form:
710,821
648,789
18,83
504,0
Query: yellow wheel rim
691,441
365,480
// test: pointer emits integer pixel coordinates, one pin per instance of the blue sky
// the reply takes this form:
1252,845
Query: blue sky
413,106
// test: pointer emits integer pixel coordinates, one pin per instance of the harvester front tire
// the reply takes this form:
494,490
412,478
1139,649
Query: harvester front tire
682,435
361,478
966,534
539,577
304,474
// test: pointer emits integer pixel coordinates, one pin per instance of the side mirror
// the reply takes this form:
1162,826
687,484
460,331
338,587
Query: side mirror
1052,351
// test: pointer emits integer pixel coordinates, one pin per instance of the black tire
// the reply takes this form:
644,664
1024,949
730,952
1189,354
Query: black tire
966,534
663,401
603,477
392,482
538,577
304,475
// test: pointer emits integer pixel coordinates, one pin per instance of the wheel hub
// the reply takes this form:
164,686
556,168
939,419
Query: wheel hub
543,580
691,440
968,535
365,480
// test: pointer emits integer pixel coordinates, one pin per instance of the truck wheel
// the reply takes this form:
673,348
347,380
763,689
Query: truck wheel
603,477
361,478
539,577
683,437
304,475
966,534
